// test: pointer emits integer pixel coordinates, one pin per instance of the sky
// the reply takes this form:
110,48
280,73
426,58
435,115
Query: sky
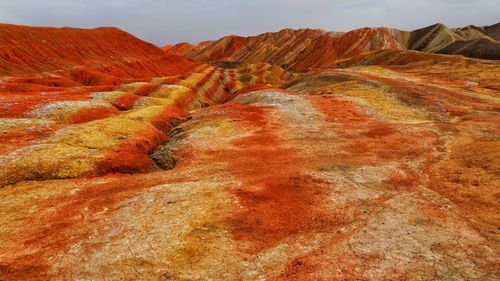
171,21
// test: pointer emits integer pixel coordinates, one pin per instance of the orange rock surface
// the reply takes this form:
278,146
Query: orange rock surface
379,163
185,49
309,49
299,50
34,50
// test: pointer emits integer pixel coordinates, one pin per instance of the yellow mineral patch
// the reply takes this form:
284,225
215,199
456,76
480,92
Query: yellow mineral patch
64,110
195,78
384,72
151,101
51,160
204,90
108,96
75,150
172,92
103,134
378,98
159,80
206,129
11,125
192,80
187,252
132,86
144,114
167,95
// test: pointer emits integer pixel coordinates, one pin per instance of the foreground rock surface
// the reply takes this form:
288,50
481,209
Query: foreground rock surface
384,168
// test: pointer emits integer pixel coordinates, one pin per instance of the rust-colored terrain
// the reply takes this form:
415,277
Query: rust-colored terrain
296,155
309,49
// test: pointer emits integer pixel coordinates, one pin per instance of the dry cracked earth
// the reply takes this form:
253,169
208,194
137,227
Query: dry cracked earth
384,166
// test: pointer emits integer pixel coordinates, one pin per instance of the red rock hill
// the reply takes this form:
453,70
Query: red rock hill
26,50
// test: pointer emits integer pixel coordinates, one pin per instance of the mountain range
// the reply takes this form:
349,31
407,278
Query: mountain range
306,49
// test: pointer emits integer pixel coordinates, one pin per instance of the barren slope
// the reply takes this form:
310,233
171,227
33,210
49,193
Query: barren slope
27,50
470,41
308,49
301,49
185,49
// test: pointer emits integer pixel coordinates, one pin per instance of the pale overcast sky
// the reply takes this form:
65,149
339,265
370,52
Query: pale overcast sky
169,21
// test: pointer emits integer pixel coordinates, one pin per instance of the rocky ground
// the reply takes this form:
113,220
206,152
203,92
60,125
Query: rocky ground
384,168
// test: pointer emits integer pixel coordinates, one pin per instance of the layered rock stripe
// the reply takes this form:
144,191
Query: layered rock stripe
309,49
117,130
